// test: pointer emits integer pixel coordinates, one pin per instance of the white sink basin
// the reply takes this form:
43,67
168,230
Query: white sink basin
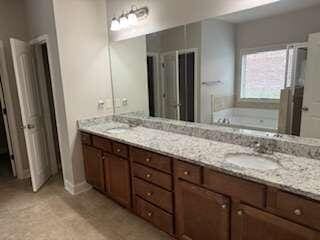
252,161
117,130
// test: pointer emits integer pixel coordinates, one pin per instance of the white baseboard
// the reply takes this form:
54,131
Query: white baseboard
78,188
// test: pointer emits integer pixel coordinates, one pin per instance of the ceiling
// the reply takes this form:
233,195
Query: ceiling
277,8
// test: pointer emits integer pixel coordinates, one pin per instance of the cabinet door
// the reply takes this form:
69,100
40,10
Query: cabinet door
94,167
201,214
252,224
117,178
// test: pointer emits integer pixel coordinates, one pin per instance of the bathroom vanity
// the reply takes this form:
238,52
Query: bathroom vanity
183,185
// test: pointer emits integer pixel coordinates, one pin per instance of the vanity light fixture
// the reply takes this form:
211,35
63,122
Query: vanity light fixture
129,19
124,21
115,25
132,17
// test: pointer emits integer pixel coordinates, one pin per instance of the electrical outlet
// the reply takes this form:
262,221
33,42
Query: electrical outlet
124,102
101,104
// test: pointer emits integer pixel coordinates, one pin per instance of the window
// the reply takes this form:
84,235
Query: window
263,74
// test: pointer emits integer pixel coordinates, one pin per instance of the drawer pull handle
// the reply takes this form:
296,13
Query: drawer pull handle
147,159
298,212
148,175
186,173
224,206
118,150
149,214
240,212
149,194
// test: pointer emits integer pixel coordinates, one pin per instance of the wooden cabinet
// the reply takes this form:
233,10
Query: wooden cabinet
117,178
192,202
201,214
253,224
94,167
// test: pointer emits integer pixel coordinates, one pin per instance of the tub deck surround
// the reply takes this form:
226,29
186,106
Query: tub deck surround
298,175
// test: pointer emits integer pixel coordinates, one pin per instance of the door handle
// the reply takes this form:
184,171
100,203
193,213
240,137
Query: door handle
31,126
28,126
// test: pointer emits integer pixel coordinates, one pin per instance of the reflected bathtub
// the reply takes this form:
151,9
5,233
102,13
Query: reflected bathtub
250,118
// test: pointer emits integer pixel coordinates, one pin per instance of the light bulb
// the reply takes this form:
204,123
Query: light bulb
132,18
115,25
124,22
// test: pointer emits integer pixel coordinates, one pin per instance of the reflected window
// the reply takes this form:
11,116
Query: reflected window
263,74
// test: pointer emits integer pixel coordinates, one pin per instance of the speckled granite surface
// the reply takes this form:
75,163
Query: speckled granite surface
298,146
298,175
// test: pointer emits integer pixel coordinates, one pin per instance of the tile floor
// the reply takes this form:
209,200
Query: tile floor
52,213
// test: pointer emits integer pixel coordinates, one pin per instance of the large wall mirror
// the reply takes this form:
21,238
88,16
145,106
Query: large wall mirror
252,69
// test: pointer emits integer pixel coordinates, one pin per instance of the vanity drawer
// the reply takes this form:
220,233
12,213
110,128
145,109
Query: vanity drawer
85,138
295,208
242,190
188,172
153,176
154,194
120,149
156,216
102,143
150,159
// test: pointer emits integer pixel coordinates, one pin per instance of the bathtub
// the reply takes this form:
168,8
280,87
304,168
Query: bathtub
250,118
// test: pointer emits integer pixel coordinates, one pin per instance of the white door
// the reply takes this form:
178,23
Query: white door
310,126
169,77
31,113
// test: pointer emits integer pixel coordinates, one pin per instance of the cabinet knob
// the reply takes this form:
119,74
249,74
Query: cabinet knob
147,159
148,175
118,150
298,212
149,214
186,173
240,212
224,206
149,194
103,158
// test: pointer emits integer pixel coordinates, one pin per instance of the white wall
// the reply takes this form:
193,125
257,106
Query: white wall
166,14
13,24
84,64
217,63
280,29
41,21
129,74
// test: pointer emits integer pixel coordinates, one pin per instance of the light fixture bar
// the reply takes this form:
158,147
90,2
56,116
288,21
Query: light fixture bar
129,19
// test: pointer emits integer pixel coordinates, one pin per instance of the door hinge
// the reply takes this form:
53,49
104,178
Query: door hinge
4,111
12,157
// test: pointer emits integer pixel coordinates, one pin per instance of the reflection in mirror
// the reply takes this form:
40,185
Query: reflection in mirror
252,70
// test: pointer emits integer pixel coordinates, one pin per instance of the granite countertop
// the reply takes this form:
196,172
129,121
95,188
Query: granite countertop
298,175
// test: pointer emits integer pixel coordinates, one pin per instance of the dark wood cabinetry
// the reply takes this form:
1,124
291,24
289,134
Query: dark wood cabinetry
201,214
253,224
191,202
93,163
117,178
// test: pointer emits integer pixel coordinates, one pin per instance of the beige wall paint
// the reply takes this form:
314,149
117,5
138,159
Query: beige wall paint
166,14
280,29
84,61
129,74
218,64
13,24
